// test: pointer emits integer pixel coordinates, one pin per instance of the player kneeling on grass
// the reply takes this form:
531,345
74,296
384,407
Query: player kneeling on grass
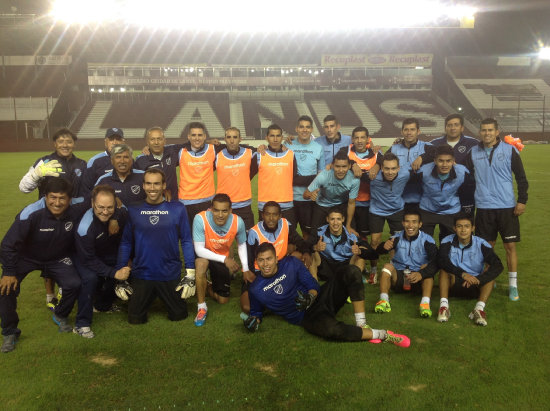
152,234
469,267
412,267
214,231
288,289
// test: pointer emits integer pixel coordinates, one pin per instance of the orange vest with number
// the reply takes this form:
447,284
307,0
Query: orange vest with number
197,175
275,176
281,242
365,164
216,243
234,176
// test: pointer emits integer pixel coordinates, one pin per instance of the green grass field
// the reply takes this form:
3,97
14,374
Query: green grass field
166,365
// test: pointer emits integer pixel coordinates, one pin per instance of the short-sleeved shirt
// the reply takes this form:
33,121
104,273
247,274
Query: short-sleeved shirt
334,191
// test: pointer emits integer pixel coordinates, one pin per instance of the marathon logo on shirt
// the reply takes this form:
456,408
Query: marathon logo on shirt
68,226
218,243
47,229
461,149
154,219
136,189
278,164
274,283
168,161
99,236
66,261
153,212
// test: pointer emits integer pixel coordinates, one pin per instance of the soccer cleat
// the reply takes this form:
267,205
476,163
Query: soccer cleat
113,309
200,319
397,339
444,314
479,317
52,304
513,294
382,306
8,344
64,326
85,332
373,278
425,311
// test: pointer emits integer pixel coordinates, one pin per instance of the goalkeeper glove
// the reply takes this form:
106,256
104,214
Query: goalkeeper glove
250,322
187,284
304,301
124,290
49,168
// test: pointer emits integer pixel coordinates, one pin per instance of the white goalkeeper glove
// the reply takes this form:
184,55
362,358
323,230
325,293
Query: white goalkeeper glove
49,168
124,290
187,284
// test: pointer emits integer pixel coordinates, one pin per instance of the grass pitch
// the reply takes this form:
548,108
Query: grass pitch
166,365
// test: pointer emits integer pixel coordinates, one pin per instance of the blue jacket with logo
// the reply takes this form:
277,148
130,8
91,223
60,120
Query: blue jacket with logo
493,176
407,155
413,253
441,197
130,191
386,197
470,259
38,236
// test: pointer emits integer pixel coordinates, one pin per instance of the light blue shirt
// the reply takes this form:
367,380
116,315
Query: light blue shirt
333,191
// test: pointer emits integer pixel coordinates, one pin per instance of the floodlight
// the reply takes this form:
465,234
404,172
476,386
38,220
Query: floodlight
544,53
246,16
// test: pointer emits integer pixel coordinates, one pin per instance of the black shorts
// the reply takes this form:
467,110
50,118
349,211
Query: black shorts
194,209
304,212
220,277
395,222
247,215
361,221
416,288
145,292
290,215
490,222
430,220
457,290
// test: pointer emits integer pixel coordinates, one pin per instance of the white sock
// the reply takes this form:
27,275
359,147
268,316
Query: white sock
444,303
384,296
49,297
60,291
360,319
374,269
513,279
425,300
480,305
378,334
202,305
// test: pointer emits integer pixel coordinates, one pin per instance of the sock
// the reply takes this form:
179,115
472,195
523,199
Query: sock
384,296
480,305
60,291
512,279
360,319
425,300
444,303
202,305
374,269
378,334
49,298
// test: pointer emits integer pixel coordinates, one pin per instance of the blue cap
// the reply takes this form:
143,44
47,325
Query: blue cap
111,132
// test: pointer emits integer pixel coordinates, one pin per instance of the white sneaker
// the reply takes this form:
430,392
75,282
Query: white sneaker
85,332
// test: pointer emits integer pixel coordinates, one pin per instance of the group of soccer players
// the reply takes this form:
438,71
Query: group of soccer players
113,226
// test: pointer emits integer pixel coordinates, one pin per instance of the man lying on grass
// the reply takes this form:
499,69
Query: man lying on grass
469,267
288,289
